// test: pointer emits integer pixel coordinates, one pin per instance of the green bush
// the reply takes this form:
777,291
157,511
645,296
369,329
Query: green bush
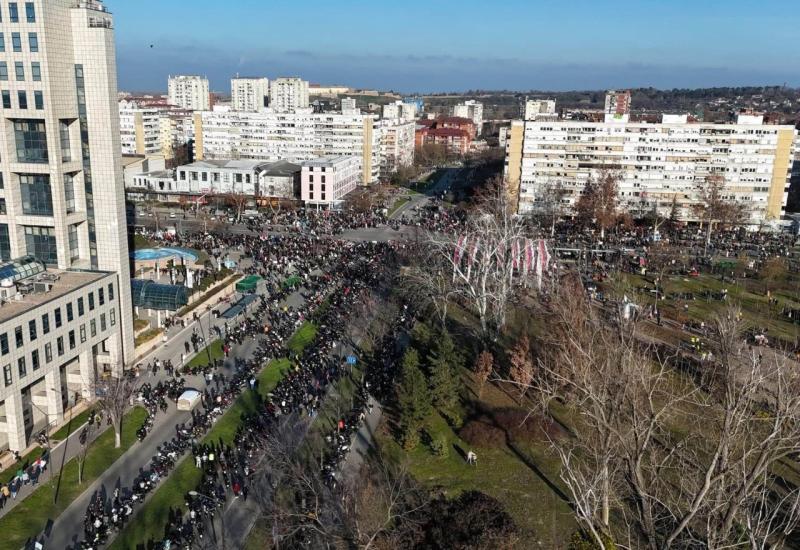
440,447
410,440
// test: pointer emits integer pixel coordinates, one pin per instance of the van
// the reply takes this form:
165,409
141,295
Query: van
188,400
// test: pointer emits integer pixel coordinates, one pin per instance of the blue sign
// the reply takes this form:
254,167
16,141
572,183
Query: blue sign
351,360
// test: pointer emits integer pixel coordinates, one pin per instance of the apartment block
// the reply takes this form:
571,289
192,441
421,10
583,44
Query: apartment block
65,301
472,110
656,162
397,144
249,94
287,94
189,91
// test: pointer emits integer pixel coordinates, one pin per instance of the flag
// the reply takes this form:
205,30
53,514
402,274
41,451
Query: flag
462,241
515,255
528,255
543,260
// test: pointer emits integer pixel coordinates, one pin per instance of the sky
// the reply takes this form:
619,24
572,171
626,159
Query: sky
457,45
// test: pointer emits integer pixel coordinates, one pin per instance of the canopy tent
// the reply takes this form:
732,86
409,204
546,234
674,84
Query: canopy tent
248,284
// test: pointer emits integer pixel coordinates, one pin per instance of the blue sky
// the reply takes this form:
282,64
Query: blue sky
444,45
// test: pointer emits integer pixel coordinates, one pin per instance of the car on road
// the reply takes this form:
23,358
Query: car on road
172,215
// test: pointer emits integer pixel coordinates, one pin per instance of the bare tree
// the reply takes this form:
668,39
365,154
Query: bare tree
430,281
85,439
550,203
599,201
714,207
114,399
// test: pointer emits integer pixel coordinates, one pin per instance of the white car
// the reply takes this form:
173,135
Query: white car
172,215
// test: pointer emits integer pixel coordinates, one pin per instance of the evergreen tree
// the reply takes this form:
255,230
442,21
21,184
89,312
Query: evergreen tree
413,399
444,364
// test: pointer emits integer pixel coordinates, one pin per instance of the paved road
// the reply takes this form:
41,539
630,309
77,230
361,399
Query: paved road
68,527
362,441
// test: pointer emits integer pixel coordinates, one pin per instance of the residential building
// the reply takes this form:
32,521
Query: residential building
249,94
399,110
472,110
295,137
417,101
455,133
65,301
656,162
326,181
397,144
328,91
540,109
133,165
140,129
190,92
287,94
617,106
349,107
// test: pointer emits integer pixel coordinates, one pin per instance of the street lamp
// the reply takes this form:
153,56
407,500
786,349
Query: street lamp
214,501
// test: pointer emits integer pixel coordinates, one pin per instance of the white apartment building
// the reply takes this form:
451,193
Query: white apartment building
397,144
65,301
189,91
326,181
398,110
140,129
287,94
350,106
540,109
249,94
295,137
472,110
656,163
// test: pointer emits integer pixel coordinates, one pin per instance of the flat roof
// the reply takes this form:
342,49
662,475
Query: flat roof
328,161
68,281
281,168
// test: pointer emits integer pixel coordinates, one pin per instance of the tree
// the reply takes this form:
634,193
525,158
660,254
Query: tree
550,203
599,201
484,365
114,400
773,271
444,366
85,439
413,398
521,364
714,207
237,201
429,282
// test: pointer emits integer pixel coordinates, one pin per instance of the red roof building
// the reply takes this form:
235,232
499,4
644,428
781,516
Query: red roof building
455,133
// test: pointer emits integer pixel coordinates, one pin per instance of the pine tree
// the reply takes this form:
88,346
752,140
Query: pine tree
444,364
413,399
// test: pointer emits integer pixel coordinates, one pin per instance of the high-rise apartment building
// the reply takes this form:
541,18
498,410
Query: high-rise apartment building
65,300
617,105
249,94
472,110
657,163
190,92
296,136
140,129
287,94
400,110
539,109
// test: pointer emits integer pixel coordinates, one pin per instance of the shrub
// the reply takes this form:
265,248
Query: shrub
410,440
440,447
482,434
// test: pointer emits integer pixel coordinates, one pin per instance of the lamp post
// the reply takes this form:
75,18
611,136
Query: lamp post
214,501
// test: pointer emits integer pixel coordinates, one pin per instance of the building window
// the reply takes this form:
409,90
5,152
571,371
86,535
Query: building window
37,197
46,323
13,12
70,315
35,359
30,12
102,322
7,375
16,42
18,339
38,100
19,71
80,307
3,70
110,292
83,333
22,369
71,338
41,243
33,42
57,315
48,352
69,193
60,345
36,71
101,296
2,42
93,328
3,210
31,140
91,301
4,344
74,250
6,99
32,329
66,150
22,97
112,316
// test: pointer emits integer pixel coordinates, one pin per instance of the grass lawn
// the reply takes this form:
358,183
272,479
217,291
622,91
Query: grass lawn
30,517
147,335
201,359
398,203
68,428
302,337
139,324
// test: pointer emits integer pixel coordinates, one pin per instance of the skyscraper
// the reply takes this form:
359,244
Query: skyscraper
65,303
287,94
249,94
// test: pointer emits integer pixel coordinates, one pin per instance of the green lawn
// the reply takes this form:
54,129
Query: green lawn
30,517
147,335
398,203
68,428
201,359
302,337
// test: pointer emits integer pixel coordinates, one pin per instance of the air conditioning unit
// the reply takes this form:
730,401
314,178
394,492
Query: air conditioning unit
8,290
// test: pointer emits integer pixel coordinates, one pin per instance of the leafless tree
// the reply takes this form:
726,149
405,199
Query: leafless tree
238,201
599,201
550,203
85,439
714,207
114,399
430,281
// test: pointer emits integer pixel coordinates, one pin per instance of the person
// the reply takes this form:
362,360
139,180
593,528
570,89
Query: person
472,458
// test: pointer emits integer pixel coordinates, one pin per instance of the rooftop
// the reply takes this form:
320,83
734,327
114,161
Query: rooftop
45,287
281,168
327,161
